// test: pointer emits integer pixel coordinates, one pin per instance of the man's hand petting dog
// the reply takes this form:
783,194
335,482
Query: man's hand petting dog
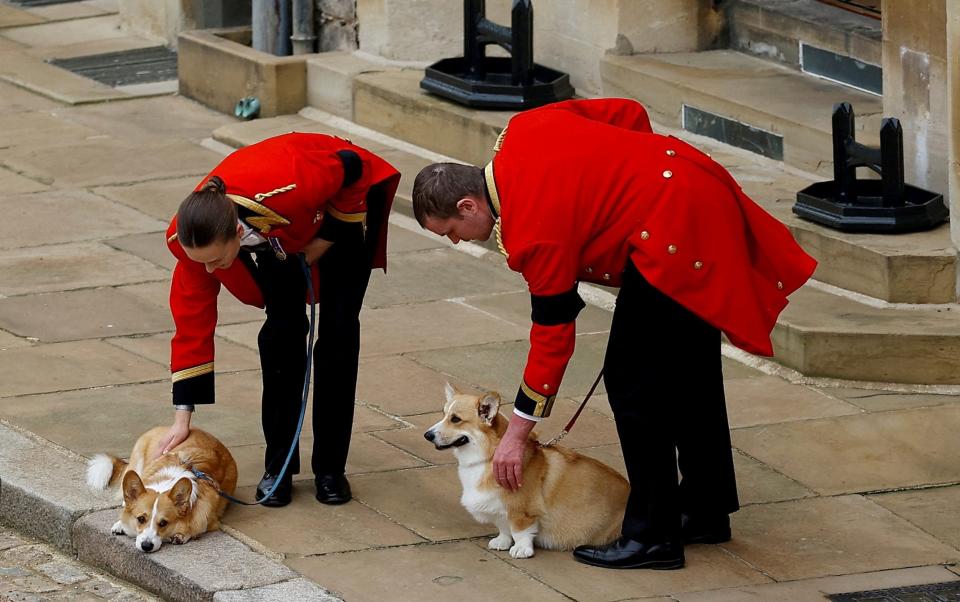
508,459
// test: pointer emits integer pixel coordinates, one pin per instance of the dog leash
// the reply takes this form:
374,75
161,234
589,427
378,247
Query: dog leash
303,402
583,404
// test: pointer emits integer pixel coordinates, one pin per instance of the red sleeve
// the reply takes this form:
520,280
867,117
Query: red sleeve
193,303
550,271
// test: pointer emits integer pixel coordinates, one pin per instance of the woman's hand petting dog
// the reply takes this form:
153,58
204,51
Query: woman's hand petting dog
176,435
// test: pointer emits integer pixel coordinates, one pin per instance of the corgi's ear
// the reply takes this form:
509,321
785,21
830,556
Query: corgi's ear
487,407
181,493
132,486
449,391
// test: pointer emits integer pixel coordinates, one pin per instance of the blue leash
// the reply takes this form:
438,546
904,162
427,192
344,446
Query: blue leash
303,403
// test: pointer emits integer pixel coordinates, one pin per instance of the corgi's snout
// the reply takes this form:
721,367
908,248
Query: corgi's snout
429,435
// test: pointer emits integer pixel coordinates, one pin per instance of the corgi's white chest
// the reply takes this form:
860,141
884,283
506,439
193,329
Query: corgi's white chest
483,503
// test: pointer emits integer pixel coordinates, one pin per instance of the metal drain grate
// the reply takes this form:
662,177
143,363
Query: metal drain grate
139,66
31,3
933,592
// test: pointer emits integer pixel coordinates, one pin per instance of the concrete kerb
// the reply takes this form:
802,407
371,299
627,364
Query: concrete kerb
43,494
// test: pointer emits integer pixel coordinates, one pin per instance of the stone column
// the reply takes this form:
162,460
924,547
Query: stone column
915,86
953,121
649,26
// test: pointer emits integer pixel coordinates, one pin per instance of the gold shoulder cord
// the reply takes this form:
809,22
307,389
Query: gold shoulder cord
495,195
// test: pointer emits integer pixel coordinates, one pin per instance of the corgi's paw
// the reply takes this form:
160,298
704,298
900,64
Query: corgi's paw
179,538
500,542
117,528
521,550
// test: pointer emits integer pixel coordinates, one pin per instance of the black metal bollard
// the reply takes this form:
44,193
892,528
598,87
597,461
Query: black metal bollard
477,80
887,205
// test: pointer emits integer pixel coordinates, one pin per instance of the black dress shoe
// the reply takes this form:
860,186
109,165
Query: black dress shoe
626,553
281,496
333,489
703,529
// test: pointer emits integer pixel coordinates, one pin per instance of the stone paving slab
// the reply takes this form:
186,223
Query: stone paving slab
19,100
300,590
402,386
157,198
67,32
176,116
758,483
880,401
707,567
80,315
11,16
230,356
454,571
424,500
815,590
61,216
75,10
41,129
484,364
43,503
453,274
70,266
33,73
9,341
306,527
191,572
31,571
933,510
67,366
818,537
14,184
151,246
100,162
867,452
7,45
770,400
229,309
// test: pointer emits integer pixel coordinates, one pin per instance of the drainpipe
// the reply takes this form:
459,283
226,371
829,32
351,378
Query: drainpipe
271,26
304,38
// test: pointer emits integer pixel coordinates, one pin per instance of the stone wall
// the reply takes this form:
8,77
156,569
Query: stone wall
915,86
336,25
569,35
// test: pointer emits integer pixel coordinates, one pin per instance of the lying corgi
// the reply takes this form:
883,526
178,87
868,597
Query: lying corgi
566,499
163,500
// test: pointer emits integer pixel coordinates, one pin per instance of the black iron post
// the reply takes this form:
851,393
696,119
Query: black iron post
477,80
887,205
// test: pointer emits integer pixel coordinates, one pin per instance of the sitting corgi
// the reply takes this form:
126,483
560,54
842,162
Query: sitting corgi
163,500
566,499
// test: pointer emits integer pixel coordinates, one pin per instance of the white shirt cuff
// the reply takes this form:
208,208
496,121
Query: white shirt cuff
527,416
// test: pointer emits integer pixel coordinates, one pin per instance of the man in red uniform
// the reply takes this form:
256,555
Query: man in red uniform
583,190
242,228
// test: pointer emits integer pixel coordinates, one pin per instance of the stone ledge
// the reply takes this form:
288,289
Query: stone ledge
298,589
192,572
217,67
42,491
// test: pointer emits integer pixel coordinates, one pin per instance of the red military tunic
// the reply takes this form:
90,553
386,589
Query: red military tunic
291,183
584,186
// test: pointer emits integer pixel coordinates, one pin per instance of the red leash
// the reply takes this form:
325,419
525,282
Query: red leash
583,404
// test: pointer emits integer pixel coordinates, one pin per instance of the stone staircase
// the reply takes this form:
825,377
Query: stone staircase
883,308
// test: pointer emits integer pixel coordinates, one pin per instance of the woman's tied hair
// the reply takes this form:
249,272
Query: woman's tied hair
438,188
207,216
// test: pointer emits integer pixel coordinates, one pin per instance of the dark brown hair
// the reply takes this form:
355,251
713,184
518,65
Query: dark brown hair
207,216
438,188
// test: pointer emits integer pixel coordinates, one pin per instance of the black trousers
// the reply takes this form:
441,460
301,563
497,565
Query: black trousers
344,273
664,380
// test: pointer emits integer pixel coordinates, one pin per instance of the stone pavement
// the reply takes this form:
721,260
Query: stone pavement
845,486
31,571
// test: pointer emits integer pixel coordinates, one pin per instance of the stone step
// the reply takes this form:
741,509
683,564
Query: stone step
744,101
912,268
809,36
820,333
827,335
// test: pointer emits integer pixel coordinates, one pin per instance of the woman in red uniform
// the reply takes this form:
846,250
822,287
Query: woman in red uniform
583,190
243,228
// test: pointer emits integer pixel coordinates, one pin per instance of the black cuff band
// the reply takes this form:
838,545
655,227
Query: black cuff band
532,403
550,310
197,390
352,166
